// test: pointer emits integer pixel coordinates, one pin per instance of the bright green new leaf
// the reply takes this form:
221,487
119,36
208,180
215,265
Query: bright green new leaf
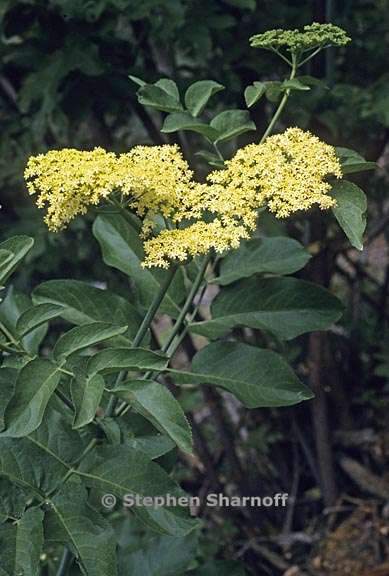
287,307
84,336
156,403
253,93
18,246
350,209
258,378
267,255
198,94
115,359
34,386
232,123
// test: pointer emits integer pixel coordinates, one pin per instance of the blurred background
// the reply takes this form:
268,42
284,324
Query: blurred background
64,82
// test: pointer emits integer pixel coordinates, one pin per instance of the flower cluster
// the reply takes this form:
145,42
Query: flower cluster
287,173
313,36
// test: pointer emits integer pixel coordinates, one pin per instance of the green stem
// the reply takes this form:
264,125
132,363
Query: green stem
281,105
147,320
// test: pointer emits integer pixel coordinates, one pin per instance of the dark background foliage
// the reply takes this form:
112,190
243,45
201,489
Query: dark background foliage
64,82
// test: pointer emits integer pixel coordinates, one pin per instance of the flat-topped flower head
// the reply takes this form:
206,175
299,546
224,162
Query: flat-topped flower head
311,37
287,172
68,181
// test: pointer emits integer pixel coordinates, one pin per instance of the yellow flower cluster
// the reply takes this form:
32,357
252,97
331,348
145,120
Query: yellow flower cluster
287,173
69,181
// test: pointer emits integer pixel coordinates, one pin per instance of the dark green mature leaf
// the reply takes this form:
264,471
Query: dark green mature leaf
287,307
35,316
198,94
84,336
120,470
19,246
22,545
232,123
13,500
115,359
259,378
8,378
183,121
5,257
89,536
170,87
163,556
35,384
156,403
269,255
157,97
83,303
87,392
351,205
122,249
253,93
353,162
30,465
153,446
11,308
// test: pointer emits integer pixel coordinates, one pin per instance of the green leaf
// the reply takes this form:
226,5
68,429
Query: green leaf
122,249
267,255
253,93
156,403
353,162
82,304
183,121
137,80
287,307
88,535
13,500
120,470
198,94
294,84
84,336
156,97
5,258
22,545
232,123
163,556
86,392
273,90
115,359
266,380
19,246
36,316
170,87
35,384
8,377
152,446
351,205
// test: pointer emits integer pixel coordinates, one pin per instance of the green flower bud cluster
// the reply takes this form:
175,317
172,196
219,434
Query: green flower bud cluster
313,36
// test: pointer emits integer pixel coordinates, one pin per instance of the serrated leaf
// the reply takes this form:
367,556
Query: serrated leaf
122,249
155,97
270,255
253,93
82,304
156,403
266,379
152,446
115,359
89,536
198,94
34,386
86,392
120,470
36,316
353,162
18,246
350,209
21,553
287,307
84,336
183,121
231,124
